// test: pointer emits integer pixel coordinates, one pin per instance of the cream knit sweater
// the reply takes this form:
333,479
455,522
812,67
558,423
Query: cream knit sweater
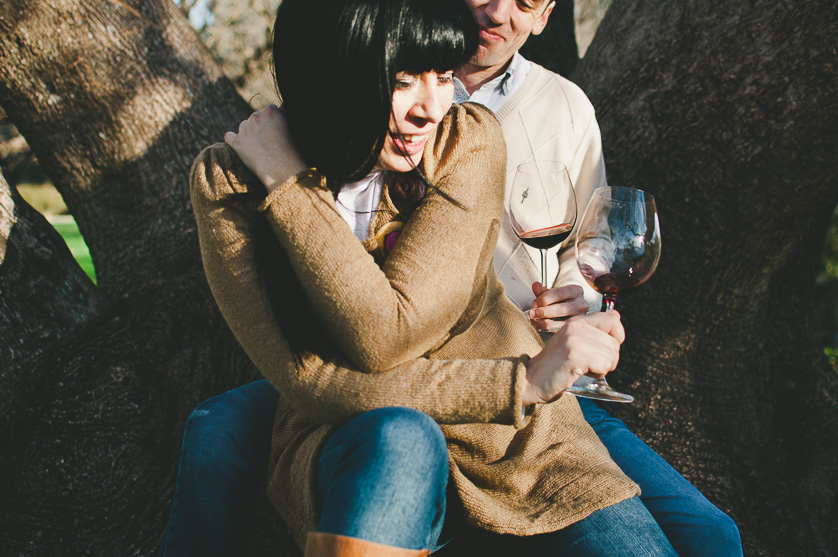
548,117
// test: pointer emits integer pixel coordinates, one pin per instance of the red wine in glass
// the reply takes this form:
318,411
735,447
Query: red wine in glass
541,205
618,246
608,284
546,238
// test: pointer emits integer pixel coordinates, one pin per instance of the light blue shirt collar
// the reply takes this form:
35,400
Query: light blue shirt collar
496,92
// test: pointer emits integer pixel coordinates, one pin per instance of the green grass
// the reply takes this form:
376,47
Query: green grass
66,226
832,356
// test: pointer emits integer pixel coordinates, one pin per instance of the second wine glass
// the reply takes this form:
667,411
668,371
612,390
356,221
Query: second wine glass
618,246
542,206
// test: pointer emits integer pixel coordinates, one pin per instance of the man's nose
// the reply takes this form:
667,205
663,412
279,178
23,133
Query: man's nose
498,10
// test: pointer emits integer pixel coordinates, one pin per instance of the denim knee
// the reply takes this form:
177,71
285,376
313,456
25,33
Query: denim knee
720,537
209,436
400,442
409,435
232,429
383,478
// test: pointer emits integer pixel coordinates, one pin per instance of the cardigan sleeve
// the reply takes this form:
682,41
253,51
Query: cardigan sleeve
383,316
326,387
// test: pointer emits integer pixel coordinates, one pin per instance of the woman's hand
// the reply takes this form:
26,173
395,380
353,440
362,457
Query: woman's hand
585,345
553,306
264,145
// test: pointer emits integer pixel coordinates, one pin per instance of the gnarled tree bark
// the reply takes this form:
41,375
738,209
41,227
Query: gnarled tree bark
116,99
726,112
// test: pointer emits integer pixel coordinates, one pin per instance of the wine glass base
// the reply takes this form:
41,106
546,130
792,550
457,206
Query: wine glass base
599,392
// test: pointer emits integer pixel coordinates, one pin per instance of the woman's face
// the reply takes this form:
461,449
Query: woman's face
419,104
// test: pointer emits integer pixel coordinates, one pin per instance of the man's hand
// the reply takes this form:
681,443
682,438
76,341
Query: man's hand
585,345
553,306
264,145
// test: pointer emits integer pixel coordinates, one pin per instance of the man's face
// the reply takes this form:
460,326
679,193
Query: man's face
505,25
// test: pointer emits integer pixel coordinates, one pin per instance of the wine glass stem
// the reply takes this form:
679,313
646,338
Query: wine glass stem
608,301
544,268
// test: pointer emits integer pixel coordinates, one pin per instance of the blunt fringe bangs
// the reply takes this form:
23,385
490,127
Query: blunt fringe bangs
335,65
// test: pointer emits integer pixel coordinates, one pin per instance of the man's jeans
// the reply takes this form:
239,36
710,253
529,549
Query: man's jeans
692,524
222,468
225,448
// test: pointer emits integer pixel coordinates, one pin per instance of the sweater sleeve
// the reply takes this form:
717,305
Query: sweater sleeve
325,387
381,317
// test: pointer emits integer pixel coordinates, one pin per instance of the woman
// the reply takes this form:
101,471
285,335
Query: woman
412,329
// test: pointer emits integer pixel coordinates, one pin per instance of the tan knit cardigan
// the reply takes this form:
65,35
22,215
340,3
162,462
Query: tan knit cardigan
430,328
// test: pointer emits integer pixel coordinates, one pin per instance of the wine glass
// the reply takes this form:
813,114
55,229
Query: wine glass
542,206
618,245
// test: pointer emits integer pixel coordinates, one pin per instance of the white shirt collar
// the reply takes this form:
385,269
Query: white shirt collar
496,92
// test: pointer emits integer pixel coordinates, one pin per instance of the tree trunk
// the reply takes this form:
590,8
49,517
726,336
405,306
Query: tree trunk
117,98
726,112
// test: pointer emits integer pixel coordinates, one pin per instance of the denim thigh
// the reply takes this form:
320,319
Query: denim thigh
625,529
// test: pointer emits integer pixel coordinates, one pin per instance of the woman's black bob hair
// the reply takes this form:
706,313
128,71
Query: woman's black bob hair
335,65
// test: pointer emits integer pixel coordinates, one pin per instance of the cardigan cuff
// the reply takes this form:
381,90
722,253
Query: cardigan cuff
308,178
522,413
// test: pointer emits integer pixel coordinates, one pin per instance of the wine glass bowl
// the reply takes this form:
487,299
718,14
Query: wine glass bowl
542,206
618,246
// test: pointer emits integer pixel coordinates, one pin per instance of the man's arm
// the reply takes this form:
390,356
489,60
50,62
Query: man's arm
571,294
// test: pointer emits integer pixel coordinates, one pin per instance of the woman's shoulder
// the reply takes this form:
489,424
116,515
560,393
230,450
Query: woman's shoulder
468,130
473,122
218,172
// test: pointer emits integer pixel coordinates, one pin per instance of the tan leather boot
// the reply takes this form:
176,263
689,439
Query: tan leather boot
319,544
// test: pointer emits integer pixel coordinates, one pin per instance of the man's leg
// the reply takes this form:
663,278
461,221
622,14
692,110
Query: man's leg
222,464
692,524
382,478
625,529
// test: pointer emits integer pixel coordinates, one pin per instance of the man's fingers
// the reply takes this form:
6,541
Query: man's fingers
537,289
549,296
549,325
560,310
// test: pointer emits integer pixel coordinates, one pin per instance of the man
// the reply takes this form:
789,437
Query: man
543,116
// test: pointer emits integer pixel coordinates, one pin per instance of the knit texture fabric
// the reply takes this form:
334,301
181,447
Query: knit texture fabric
550,118
429,327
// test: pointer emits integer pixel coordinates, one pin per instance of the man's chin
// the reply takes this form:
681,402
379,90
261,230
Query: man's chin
488,59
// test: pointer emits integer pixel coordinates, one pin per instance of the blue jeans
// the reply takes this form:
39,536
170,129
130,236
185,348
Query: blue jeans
692,524
213,500
222,469
383,475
